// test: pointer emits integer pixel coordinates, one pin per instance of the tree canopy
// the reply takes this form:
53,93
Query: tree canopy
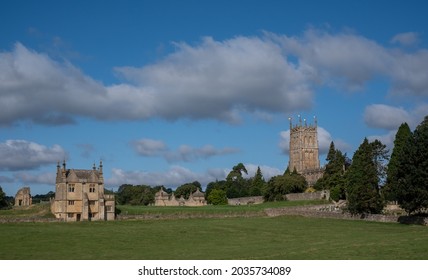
333,178
403,137
409,182
279,186
186,189
363,192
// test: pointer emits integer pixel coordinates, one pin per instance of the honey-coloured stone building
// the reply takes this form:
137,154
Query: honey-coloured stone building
304,150
79,195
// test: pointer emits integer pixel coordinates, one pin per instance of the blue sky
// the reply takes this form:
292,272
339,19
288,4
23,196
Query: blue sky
169,92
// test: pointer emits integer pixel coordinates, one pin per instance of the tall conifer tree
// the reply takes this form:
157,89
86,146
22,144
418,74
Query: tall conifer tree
412,172
403,136
362,182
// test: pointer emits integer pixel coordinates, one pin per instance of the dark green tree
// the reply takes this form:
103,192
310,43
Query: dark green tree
412,172
217,185
236,172
4,204
186,189
279,186
333,177
217,197
363,182
257,183
236,185
135,195
403,137
380,157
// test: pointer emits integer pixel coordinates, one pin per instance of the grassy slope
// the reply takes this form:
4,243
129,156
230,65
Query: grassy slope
219,238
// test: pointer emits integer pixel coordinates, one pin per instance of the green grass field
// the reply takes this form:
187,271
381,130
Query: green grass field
256,237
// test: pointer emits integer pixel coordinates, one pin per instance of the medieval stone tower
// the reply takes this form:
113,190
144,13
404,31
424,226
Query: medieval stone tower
304,150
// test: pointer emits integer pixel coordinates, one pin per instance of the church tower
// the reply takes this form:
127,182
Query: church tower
304,150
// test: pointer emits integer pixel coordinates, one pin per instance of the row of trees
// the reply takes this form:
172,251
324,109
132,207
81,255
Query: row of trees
372,178
234,185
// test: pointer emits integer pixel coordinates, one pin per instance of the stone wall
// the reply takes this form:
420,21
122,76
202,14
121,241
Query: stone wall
245,200
309,196
330,211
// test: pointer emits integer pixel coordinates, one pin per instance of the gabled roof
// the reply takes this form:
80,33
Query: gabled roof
75,175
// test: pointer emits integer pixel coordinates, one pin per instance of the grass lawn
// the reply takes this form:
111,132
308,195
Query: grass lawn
258,237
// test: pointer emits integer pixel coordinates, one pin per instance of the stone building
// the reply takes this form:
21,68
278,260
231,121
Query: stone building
162,198
79,195
304,151
23,197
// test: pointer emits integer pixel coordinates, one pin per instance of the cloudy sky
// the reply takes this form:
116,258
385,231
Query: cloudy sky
169,92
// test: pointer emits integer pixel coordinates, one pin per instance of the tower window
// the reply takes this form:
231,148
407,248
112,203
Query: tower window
71,202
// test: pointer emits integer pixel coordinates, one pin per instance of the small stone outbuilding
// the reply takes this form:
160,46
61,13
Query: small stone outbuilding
162,198
23,197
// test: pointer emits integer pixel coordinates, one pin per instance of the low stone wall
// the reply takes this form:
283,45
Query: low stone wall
28,220
309,196
245,200
329,211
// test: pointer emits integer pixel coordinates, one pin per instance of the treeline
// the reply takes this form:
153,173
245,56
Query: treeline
373,177
217,193
145,195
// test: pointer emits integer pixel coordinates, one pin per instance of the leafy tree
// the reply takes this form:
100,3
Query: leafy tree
186,189
217,197
411,190
363,181
3,200
135,195
402,138
257,183
380,157
217,185
236,185
236,172
279,186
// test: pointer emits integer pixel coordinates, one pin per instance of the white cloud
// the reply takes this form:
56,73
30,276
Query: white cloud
385,116
24,155
350,60
47,178
212,79
187,153
34,87
220,79
390,118
406,39
345,58
173,177
151,148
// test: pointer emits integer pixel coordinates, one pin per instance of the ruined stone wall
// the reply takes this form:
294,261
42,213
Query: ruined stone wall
245,200
329,211
325,195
